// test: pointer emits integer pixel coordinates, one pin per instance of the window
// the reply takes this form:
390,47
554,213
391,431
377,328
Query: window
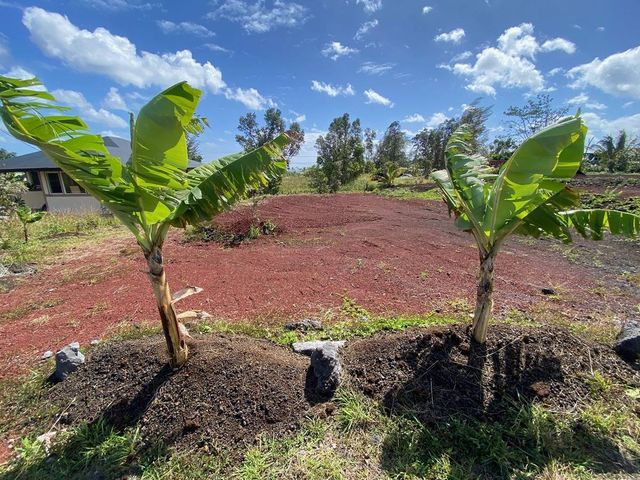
55,185
33,179
70,186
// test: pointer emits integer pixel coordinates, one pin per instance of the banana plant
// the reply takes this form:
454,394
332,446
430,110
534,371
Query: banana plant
152,191
388,174
528,195
27,216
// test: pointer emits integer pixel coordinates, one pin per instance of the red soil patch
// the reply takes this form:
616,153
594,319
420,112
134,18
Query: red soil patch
390,256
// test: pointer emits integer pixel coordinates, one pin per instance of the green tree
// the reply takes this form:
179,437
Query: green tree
341,152
535,115
429,144
151,192
501,149
528,196
616,154
27,216
392,148
369,148
11,186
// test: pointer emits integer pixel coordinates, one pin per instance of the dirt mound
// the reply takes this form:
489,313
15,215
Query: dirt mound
231,390
430,372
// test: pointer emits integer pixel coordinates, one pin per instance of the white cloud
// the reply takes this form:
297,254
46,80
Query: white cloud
618,74
116,57
364,28
600,29
249,97
78,101
370,6
454,36
114,100
257,17
372,68
19,72
375,97
300,118
462,56
582,100
510,64
214,47
555,71
332,91
437,119
167,26
559,44
4,50
335,50
426,9
415,118
600,126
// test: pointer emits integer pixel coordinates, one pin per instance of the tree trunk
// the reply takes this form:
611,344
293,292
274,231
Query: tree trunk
176,344
484,297
26,233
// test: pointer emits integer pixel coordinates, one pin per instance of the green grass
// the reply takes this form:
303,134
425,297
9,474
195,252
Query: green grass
52,235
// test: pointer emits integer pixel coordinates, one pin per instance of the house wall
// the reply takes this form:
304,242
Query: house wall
35,200
72,203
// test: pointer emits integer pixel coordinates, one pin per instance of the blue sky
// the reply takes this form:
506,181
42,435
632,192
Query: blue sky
416,61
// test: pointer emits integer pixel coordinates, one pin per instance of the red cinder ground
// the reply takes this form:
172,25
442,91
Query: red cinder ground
389,256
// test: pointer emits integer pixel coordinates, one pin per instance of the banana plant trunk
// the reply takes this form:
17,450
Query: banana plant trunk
484,296
176,344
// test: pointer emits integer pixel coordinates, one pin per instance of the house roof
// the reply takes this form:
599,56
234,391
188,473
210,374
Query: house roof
117,146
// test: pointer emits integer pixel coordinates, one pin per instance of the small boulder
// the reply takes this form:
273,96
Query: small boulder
628,341
46,355
326,365
67,360
95,342
304,325
548,291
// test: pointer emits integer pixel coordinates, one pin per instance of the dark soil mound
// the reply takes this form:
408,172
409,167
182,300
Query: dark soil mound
429,372
232,389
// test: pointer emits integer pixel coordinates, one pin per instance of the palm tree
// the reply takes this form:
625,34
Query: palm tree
152,192
613,154
528,196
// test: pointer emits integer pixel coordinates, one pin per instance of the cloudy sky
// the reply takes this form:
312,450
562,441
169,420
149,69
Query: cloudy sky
416,61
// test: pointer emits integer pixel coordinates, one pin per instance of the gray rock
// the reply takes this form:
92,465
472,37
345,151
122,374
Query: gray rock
95,342
326,364
67,360
304,325
307,348
548,291
46,355
628,341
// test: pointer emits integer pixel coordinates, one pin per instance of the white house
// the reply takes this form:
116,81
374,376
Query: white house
53,190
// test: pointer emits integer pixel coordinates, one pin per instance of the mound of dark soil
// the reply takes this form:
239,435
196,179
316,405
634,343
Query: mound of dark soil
430,373
232,389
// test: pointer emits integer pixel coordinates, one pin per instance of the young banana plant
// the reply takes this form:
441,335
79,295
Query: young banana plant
529,195
152,192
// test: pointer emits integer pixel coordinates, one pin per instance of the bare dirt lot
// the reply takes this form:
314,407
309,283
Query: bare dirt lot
389,256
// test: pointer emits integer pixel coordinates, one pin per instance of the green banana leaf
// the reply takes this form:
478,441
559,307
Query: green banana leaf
215,186
536,171
592,223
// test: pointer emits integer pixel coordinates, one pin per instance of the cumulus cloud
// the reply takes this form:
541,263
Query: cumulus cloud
78,101
335,50
415,118
258,17
600,126
582,100
510,64
167,26
364,28
426,9
618,74
102,52
114,100
454,36
375,97
370,6
437,119
249,97
372,68
331,90
559,44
